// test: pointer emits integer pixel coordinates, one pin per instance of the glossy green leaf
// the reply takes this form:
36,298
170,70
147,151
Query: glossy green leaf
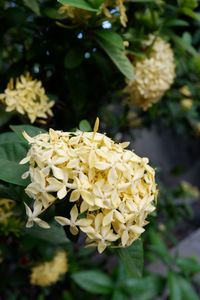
33,5
145,288
11,172
174,286
84,125
29,129
4,116
112,44
188,3
94,282
132,258
188,264
158,246
190,13
13,151
188,292
96,3
83,4
54,235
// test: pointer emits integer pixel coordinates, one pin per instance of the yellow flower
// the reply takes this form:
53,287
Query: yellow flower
184,90
153,74
48,273
111,189
27,97
186,103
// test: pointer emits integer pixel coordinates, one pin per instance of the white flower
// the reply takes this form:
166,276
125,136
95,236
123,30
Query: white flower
33,216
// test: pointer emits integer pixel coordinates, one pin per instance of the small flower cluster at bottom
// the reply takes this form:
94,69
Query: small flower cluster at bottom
111,189
48,273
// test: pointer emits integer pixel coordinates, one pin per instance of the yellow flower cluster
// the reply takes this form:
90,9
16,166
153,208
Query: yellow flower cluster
111,189
153,74
48,273
79,15
6,209
27,96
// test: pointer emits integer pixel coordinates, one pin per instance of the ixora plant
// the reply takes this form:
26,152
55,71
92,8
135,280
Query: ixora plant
110,189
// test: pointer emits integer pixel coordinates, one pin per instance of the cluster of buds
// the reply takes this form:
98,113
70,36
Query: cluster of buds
27,96
110,188
153,74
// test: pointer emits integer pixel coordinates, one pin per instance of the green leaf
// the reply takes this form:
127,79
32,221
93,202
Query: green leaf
188,264
183,44
54,235
11,147
83,4
84,125
4,116
158,246
33,5
11,172
146,288
174,286
94,282
112,44
176,22
132,258
13,151
190,13
119,295
29,129
73,58
188,292
188,3
96,3
9,137
51,13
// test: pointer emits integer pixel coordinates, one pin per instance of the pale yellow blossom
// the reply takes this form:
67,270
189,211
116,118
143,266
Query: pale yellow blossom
186,103
111,190
27,96
153,74
48,273
184,90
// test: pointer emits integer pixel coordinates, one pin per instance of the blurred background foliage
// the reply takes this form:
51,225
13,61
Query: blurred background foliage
84,66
